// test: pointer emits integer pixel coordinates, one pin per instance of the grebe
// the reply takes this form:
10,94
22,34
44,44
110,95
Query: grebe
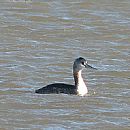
79,88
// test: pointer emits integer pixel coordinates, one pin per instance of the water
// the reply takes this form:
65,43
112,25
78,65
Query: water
39,41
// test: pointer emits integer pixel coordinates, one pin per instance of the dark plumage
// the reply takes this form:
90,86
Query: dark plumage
57,88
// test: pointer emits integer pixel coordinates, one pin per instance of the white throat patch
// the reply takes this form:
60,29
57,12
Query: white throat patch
81,87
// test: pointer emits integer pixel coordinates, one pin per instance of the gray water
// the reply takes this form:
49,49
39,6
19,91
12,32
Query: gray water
39,41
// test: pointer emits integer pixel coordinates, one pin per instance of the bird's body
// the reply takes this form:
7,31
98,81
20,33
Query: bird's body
79,88
57,88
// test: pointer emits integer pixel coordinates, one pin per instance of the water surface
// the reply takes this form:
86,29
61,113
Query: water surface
39,41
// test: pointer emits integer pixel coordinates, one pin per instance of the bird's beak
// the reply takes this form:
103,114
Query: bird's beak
89,66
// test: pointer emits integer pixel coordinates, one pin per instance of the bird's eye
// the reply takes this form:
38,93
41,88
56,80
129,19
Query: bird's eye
82,63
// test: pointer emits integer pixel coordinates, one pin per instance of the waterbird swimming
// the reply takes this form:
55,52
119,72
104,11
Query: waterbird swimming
79,88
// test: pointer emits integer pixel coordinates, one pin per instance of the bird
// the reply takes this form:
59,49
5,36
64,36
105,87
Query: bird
79,88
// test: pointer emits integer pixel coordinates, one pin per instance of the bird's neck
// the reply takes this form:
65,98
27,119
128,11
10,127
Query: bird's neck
79,83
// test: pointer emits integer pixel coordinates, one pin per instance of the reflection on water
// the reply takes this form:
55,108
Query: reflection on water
39,41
